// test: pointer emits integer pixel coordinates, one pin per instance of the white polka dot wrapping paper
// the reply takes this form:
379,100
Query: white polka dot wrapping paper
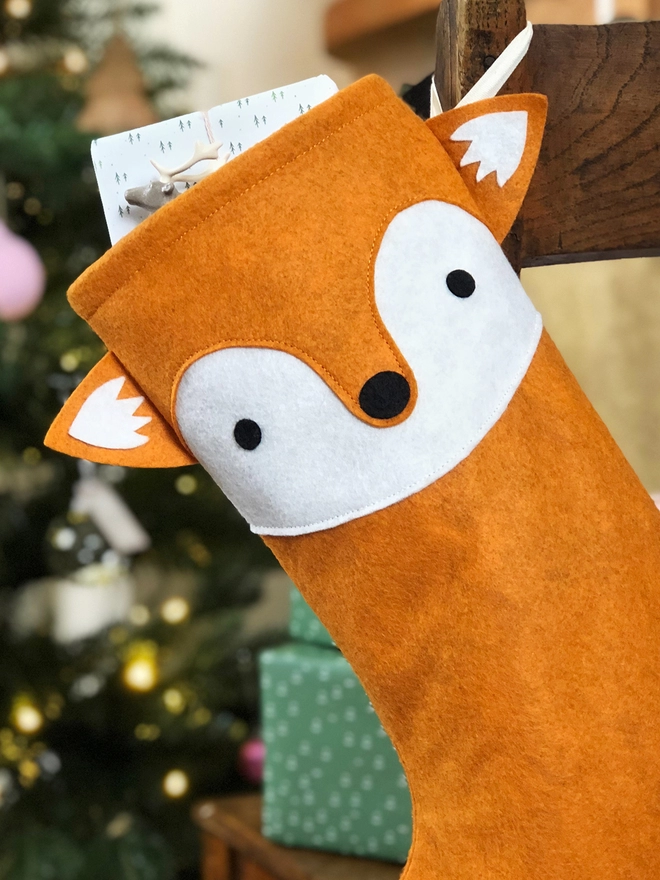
332,779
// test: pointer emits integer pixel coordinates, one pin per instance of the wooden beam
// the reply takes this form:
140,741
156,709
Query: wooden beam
348,20
470,35
596,191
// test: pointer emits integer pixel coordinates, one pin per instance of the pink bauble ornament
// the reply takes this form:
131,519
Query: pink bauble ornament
251,758
22,276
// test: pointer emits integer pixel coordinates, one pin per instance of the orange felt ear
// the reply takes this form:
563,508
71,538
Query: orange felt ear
108,420
495,146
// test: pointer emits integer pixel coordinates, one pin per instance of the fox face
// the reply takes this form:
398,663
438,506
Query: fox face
292,457
328,324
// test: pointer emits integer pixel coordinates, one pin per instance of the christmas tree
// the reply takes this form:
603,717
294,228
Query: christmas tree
125,688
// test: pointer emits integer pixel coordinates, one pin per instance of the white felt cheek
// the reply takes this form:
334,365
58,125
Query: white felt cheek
317,465
468,355
310,462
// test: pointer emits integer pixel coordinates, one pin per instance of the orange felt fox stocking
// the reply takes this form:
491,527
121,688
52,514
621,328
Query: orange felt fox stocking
329,326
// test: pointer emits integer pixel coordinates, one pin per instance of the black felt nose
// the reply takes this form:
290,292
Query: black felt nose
385,395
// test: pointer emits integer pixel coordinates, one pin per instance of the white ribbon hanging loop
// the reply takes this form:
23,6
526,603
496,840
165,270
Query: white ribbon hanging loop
495,77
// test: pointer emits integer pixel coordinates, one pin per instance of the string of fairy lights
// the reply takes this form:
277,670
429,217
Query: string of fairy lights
72,59
139,669
18,8
134,679
24,755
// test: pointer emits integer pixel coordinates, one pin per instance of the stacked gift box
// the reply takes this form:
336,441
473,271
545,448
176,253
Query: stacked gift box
332,779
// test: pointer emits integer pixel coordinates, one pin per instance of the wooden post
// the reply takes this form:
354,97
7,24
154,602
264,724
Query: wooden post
596,191
470,35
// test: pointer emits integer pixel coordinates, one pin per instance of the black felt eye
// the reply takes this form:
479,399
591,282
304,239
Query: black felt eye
247,434
461,283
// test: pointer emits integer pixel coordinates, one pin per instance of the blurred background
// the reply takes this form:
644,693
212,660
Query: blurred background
133,604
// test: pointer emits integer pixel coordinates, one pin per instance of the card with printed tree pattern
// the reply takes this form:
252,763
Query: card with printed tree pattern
123,161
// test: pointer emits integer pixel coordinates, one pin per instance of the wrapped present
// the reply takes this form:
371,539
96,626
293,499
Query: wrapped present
332,779
304,625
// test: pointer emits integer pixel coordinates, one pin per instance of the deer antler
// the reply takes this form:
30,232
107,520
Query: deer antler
160,192
201,152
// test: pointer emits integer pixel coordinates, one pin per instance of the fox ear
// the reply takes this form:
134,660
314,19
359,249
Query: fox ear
495,146
108,420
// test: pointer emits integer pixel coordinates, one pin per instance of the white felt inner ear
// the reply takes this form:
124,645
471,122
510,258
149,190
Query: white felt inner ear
109,423
497,143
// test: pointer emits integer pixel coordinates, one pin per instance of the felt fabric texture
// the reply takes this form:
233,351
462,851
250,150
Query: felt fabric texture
144,437
486,560
272,248
108,421
497,143
317,465
385,395
498,137
461,283
505,623
247,434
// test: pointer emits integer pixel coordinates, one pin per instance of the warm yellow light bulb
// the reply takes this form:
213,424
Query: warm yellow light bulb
29,770
148,732
139,615
69,360
141,668
75,60
32,206
26,717
18,8
141,674
174,701
186,484
201,716
175,610
176,784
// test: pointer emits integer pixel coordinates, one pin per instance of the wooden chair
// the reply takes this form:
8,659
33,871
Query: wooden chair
233,848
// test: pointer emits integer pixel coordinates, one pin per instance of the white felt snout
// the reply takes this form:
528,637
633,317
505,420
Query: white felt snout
316,465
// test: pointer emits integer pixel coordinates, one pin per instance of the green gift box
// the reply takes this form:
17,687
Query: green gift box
332,779
304,625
